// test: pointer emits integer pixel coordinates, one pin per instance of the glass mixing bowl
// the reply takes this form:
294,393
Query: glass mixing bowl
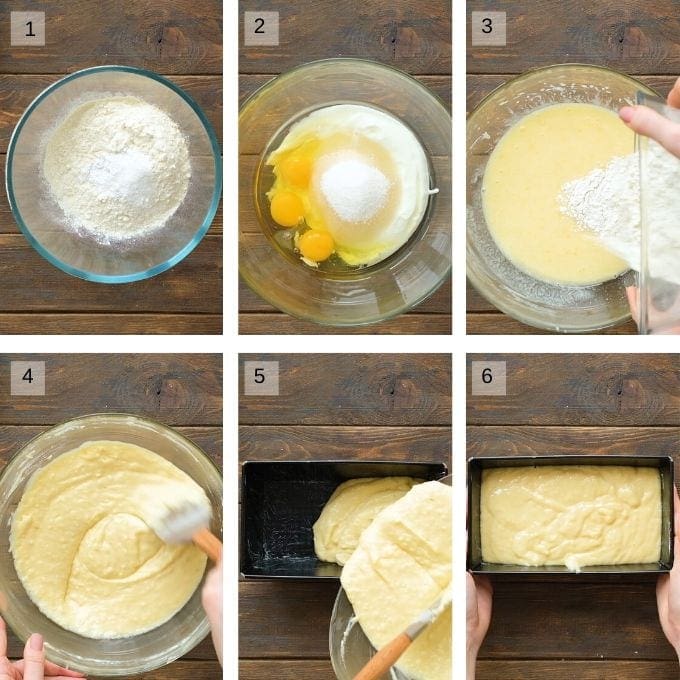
359,296
42,221
567,309
349,647
105,658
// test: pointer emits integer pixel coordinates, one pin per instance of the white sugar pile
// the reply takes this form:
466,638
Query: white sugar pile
354,190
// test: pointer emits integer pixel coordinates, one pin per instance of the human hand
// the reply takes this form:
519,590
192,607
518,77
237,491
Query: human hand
650,123
479,598
668,589
33,666
657,319
212,598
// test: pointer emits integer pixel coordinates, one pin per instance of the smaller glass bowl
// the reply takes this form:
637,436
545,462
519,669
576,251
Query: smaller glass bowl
566,309
363,295
42,221
350,649
103,658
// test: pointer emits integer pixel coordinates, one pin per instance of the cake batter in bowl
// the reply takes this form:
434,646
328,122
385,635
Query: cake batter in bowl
107,655
551,305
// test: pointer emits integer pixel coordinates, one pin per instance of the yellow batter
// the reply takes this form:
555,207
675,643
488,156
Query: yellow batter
401,566
351,508
572,515
83,548
522,182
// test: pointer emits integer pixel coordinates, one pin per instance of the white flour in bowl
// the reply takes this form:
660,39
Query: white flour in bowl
118,168
606,202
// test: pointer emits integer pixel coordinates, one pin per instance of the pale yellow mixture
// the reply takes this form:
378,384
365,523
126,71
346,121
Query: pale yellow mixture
351,508
401,566
522,182
83,547
572,515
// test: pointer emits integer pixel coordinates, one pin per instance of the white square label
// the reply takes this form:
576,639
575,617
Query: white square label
261,28
28,28
488,378
489,28
27,378
261,378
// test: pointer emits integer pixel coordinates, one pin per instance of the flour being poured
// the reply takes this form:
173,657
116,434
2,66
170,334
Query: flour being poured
118,168
606,203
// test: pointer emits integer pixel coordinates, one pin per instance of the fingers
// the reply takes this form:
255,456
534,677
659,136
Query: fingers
674,95
34,658
632,295
212,603
52,670
647,122
3,639
6,670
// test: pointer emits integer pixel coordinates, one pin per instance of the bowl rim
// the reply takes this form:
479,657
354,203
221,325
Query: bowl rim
202,631
152,271
261,290
471,274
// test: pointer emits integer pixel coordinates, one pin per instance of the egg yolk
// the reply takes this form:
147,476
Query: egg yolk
296,170
316,245
287,209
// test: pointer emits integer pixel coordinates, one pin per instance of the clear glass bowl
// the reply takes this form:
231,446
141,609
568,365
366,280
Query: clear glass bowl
360,296
105,658
349,648
566,309
42,221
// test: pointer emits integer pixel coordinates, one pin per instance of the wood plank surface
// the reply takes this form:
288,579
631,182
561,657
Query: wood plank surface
179,39
181,390
628,35
173,36
586,626
332,407
353,389
582,389
411,37
415,37
641,39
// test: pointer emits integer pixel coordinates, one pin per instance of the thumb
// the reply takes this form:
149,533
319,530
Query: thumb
34,658
650,123
674,95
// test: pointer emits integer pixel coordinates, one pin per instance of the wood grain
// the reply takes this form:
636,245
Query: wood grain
179,389
583,670
629,36
582,389
285,670
174,36
415,37
356,389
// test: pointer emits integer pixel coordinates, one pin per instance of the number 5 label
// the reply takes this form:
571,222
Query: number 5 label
488,378
261,378
489,29
27,378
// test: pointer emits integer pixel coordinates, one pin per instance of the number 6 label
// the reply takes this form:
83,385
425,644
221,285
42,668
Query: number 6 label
261,378
488,378
489,29
27,378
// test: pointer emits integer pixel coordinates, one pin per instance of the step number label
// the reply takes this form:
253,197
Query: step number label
261,28
489,28
488,378
27,378
261,378
27,28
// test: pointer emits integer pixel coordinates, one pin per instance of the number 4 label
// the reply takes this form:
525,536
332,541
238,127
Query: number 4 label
488,378
27,378
261,378
489,29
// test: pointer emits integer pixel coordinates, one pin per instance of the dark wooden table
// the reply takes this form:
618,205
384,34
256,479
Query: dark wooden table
584,627
181,39
182,391
412,36
331,407
638,38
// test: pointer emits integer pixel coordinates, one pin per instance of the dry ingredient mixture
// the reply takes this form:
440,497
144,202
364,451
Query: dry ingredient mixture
117,167
606,204
83,546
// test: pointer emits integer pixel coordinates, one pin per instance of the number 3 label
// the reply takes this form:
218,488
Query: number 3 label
261,378
488,378
489,29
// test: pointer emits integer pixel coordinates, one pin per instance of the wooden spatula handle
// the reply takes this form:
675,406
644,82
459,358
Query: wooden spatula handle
208,543
385,658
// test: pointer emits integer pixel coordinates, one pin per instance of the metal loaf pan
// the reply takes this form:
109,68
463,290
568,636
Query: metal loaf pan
281,501
476,565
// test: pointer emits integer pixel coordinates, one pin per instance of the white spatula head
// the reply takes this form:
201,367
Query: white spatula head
180,524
